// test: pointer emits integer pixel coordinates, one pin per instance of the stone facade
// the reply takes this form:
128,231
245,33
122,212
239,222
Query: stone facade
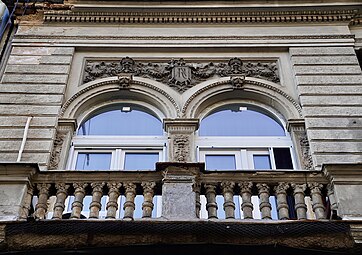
69,60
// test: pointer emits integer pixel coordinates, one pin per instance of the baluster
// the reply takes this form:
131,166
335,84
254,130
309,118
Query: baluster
95,206
197,189
148,192
332,198
24,213
247,205
42,206
316,194
77,205
62,192
229,205
264,205
129,205
281,195
113,195
211,204
300,205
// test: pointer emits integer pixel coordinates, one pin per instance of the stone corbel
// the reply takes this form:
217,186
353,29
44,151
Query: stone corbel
296,127
181,139
63,138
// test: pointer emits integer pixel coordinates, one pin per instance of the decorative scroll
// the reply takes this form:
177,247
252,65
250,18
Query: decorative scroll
181,75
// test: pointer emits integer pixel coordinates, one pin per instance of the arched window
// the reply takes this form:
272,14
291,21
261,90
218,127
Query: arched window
118,137
240,137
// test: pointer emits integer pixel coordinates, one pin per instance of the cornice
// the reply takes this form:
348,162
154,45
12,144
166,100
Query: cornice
198,17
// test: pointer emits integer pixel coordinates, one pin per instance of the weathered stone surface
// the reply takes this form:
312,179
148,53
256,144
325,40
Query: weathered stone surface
320,51
326,69
11,197
30,110
331,100
17,133
24,60
20,121
338,122
30,145
42,51
37,69
332,134
335,157
349,200
325,60
331,90
56,60
32,78
32,88
349,111
330,79
339,147
31,99
35,157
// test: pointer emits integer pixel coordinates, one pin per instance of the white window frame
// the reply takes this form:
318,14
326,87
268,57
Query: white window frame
243,148
118,146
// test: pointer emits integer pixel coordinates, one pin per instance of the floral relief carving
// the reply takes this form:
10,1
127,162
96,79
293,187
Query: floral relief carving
57,150
180,75
306,159
181,148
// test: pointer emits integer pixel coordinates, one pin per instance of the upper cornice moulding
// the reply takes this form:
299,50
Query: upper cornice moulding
201,17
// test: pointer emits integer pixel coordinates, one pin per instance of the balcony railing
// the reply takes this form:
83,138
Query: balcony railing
266,195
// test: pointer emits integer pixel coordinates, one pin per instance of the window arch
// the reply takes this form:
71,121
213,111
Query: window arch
243,137
123,136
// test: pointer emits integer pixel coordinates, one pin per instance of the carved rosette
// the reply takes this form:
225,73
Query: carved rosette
180,75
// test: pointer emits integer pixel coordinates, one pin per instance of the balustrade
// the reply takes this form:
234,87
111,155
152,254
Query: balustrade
297,196
228,195
123,196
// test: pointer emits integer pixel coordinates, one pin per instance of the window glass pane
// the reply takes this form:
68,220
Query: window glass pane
140,161
232,122
220,162
282,157
118,122
261,162
93,161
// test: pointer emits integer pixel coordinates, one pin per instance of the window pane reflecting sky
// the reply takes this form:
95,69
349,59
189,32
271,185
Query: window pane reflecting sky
93,161
239,123
140,161
220,162
116,122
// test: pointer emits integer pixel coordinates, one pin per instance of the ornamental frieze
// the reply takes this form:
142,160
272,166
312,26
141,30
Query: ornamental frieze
180,75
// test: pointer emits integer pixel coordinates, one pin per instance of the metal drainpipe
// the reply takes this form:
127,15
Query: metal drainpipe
25,136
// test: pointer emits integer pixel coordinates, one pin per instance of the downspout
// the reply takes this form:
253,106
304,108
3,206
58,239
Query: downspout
25,136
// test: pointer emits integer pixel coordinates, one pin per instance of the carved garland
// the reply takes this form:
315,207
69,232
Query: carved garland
226,82
180,75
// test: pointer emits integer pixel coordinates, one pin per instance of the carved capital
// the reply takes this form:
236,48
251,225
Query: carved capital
263,188
114,186
281,188
80,187
315,187
245,187
130,187
62,188
97,186
210,187
43,188
298,188
148,186
227,186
